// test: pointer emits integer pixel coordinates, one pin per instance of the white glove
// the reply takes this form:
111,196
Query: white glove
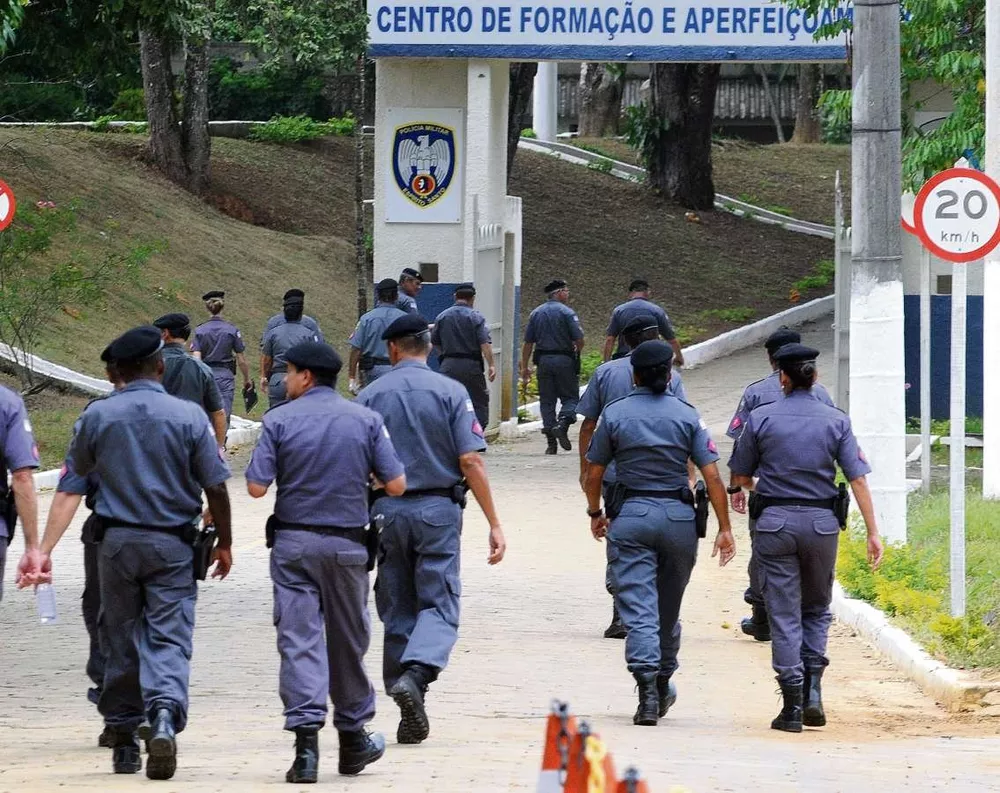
354,387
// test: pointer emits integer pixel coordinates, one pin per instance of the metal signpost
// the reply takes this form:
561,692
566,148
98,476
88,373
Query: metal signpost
957,217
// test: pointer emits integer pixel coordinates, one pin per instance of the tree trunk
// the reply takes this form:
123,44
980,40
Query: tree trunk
772,104
522,79
363,277
165,148
196,144
601,89
682,100
807,124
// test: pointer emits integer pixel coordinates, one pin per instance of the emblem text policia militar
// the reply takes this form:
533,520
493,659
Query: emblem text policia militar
423,161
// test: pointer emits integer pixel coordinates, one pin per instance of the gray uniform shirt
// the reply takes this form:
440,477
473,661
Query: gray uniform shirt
16,440
279,340
367,335
764,392
217,340
407,304
624,313
553,326
460,331
279,319
190,379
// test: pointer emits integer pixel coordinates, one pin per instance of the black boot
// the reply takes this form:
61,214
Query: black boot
106,739
305,767
551,440
667,692
358,749
790,718
162,745
562,435
812,712
757,625
648,711
616,630
125,758
408,693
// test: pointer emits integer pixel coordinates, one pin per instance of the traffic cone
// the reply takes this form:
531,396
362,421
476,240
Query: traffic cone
591,769
632,782
560,733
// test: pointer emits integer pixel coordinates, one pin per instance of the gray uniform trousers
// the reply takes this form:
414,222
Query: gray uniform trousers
226,381
321,616
3,561
752,594
557,380
90,602
148,596
470,374
652,548
276,389
796,550
371,375
418,588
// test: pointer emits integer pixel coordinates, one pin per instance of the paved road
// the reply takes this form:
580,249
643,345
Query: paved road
531,631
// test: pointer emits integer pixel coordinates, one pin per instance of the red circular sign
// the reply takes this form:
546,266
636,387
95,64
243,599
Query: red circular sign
957,215
7,205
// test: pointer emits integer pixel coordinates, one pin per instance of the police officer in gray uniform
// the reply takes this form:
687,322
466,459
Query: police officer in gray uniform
220,345
322,450
153,454
17,500
369,355
277,342
638,303
464,344
761,392
610,381
293,296
553,340
653,538
418,588
793,446
188,378
410,284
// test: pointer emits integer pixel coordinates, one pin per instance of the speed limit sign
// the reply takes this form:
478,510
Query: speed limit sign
957,215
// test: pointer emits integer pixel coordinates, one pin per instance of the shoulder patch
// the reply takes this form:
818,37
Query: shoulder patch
702,424
712,447
469,407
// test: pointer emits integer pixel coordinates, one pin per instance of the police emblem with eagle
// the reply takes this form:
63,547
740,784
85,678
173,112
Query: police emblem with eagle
423,161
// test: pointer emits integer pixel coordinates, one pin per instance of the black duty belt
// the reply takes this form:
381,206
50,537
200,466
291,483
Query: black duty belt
567,353
356,533
820,503
444,492
380,361
466,356
178,531
681,494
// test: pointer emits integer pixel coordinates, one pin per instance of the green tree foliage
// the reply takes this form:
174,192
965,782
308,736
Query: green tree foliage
11,14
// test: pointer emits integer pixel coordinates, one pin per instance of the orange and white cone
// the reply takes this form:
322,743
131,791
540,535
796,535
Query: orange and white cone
591,769
560,733
632,782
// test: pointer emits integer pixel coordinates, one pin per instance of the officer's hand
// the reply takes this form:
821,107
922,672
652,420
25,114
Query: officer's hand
222,558
526,373
875,551
354,387
725,547
738,501
206,518
599,527
498,546
34,568
492,373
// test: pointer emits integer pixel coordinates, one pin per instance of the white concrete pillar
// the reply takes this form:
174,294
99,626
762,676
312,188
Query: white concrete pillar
991,269
545,101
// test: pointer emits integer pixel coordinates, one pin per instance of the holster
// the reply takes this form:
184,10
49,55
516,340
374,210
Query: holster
93,530
843,505
366,364
613,499
755,505
700,508
269,529
372,536
8,507
203,544
577,363
459,494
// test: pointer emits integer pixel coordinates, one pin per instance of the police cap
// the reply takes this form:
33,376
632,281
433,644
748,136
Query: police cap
173,322
410,325
294,296
316,356
106,354
409,272
555,285
652,353
781,337
386,285
639,285
466,289
215,293
135,345
795,353
639,324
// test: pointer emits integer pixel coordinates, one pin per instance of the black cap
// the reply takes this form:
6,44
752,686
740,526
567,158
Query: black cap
106,354
386,285
465,289
135,345
293,295
316,356
409,325
215,293
555,286
638,285
172,322
641,323
795,353
409,272
652,353
782,336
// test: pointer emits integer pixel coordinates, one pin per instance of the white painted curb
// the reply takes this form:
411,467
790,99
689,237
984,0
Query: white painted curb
954,689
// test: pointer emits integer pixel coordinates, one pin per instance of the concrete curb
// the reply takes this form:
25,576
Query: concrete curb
952,688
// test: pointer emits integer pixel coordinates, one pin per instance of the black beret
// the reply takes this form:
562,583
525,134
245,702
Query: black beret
409,272
135,344
214,293
652,353
781,337
106,354
294,294
555,286
639,285
467,288
386,285
172,322
795,353
640,323
410,325
315,356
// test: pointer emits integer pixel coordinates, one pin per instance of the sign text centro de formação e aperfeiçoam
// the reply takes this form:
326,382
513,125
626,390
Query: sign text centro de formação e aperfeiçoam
602,30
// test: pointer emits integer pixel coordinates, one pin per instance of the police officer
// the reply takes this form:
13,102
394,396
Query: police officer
369,356
322,450
187,378
611,381
17,500
417,591
278,341
295,296
464,344
761,392
220,345
153,454
639,303
410,284
653,540
793,447
556,337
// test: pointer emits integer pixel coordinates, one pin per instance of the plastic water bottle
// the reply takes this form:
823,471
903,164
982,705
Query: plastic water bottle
45,596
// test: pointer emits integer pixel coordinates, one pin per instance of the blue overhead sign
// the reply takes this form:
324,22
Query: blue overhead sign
603,30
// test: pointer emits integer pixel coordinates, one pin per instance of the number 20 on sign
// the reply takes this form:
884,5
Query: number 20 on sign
957,215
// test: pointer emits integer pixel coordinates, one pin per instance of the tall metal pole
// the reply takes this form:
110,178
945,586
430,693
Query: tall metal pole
991,268
877,376
925,370
959,291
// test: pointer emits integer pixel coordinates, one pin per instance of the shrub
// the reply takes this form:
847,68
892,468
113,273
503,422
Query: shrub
528,133
602,165
130,105
103,123
297,129
260,95
21,99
